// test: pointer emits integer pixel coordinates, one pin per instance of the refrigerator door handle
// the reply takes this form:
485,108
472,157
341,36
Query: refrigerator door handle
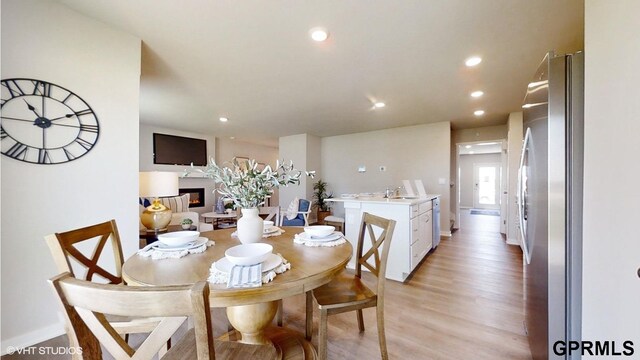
522,199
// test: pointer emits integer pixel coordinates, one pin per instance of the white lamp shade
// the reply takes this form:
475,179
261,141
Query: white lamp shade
158,183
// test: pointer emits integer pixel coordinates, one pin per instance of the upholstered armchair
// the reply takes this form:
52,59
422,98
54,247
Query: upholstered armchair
302,219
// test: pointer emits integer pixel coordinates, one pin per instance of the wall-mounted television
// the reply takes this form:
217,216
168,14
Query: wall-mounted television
178,150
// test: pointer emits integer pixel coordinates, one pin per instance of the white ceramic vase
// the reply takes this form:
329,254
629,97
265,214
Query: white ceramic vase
250,226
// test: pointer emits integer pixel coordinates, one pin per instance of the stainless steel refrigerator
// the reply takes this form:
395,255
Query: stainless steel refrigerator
550,203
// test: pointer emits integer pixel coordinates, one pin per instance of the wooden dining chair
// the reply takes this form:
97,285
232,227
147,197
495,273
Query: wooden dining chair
63,247
270,213
85,305
349,293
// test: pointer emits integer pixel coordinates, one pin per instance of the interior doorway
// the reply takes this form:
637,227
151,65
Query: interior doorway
481,185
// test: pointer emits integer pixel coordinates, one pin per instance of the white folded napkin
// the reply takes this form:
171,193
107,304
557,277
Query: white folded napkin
150,251
297,239
245,276
264,235
219,277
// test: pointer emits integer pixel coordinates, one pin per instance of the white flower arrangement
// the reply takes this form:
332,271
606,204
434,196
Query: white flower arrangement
245,184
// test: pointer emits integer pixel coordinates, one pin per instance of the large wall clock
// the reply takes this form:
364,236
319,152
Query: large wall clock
43,123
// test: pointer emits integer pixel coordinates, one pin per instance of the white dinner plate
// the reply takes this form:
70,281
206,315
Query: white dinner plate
271,230
271,263
162,247
306,237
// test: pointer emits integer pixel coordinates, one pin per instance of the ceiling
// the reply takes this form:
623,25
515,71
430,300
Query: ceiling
254,62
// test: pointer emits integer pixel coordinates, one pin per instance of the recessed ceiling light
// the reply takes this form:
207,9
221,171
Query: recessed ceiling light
232,137
477,94
468,146
224,119
472,152
379,105
478,112
473,61
319,34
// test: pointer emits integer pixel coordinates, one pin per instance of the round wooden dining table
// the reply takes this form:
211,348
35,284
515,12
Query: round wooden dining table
250,310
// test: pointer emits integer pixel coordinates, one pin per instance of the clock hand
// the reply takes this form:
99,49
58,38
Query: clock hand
62,117
16,119
82,127
31,108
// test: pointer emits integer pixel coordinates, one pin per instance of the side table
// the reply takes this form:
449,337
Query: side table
217,219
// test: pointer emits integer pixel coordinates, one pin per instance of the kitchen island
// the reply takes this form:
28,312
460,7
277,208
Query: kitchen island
413,235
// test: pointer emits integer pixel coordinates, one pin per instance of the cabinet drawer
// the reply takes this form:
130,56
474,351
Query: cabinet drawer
414,210
415,229
426,206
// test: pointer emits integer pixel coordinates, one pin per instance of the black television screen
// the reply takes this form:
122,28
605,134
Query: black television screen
178,150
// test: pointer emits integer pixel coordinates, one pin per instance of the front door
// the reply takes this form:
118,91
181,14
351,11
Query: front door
486,189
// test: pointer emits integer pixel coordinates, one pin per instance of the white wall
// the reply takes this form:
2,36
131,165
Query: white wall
611,246
413,152
303,150
467,177
146,161
227,149
47,41
514,150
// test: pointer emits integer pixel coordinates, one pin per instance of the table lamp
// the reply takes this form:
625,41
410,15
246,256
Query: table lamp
157,184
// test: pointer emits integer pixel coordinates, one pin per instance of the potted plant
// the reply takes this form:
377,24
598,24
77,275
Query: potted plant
320,195
186,223
247,186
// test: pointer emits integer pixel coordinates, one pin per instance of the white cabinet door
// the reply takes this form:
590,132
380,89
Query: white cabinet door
427,230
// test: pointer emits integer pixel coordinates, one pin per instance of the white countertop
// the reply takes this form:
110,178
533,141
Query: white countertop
381,200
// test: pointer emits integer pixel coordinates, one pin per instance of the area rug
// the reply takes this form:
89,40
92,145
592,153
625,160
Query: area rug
485,212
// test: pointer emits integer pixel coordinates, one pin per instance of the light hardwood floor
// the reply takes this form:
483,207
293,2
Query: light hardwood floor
463,302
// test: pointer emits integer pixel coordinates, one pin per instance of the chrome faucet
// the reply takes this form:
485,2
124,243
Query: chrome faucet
388,193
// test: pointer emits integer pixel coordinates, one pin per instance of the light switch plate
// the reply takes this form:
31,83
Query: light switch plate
442,181
362,168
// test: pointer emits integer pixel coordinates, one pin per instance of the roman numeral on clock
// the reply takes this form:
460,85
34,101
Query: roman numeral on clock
83,112
69,155
89,128
43,156
18,151
41,88
3,134
84,143
14,89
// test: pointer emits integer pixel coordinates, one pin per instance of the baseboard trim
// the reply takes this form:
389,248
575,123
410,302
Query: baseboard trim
445,233
32,338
